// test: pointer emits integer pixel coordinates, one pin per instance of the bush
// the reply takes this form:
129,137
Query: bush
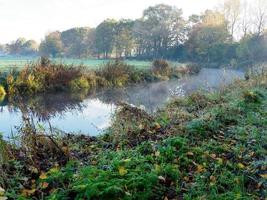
193,68
161,67
116,73
79,84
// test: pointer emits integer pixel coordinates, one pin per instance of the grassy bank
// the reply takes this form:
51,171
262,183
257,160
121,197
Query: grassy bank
45,76
205,146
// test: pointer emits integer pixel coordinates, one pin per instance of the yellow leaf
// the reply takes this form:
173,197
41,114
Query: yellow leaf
240,166
157,126
263,176
43,176
27,193
200,168
141,126
122,171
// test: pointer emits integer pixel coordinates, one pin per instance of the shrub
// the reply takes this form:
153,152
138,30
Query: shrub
45,61
79,84
161,67
116,73
193,68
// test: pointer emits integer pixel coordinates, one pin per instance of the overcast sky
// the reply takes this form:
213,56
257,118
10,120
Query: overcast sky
33,19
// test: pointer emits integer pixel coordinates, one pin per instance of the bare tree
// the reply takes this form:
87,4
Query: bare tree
245,22
232,13
260,14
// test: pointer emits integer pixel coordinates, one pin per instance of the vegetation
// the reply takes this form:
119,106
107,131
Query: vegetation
46,76
205,146
227,35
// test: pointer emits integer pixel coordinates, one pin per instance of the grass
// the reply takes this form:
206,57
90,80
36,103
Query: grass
205,146
7,63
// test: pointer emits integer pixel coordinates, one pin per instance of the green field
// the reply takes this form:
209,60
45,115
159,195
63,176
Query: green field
18,62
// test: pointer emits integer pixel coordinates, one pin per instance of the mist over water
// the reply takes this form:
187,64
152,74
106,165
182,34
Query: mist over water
92,114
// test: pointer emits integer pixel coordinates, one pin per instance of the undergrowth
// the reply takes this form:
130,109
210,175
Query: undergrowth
205,146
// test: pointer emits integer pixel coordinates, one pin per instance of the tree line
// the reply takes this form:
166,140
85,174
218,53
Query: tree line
235,32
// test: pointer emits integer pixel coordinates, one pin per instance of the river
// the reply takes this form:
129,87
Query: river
92,114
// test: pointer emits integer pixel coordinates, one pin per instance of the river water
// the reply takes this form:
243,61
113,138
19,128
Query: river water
93,113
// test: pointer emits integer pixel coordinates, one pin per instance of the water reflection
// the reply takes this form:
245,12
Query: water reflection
91,114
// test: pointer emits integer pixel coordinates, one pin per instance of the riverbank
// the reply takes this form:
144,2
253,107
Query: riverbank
209,146
45,76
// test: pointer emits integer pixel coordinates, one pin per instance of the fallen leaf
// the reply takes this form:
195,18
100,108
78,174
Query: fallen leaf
162,178
43,176
33,169
44,185
190,153
263,176
186,178
157,153
213,155
157,126
122,171
212,179
27,192
240,166
200,168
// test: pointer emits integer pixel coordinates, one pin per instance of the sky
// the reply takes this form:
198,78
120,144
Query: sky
33,19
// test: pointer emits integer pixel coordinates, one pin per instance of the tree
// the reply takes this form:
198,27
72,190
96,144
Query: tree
245,18
161,28
22,47
30,47
104,37
15,48
232,14
2,49
253,48
75,42
260,13
124,39
52,45
207,38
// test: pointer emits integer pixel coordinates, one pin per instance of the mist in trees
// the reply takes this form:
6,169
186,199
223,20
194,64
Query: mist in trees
235,32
